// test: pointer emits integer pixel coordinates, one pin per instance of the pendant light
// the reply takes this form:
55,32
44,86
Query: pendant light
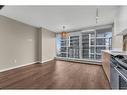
64,33
97,15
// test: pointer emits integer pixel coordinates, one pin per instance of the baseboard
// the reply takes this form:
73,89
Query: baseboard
80,61
17,66
47,60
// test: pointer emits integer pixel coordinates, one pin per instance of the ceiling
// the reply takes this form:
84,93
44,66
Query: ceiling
54,17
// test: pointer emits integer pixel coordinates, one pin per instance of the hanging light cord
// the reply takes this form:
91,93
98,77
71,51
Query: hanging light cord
63,28
97,14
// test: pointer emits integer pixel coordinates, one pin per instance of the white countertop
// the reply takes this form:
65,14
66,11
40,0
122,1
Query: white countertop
115,52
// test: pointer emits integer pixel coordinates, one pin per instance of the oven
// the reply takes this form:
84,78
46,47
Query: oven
122,78
118,75
114,81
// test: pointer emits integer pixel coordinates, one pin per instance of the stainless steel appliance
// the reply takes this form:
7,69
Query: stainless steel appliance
118,69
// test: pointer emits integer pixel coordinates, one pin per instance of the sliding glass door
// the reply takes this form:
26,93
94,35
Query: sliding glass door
85,44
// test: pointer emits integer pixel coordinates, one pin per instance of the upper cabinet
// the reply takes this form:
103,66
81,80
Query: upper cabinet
121,21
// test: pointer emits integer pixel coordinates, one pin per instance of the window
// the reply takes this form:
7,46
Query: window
103,41
74,47
85,45
58,45
64,47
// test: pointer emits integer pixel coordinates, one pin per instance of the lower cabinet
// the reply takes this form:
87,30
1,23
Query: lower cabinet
106,63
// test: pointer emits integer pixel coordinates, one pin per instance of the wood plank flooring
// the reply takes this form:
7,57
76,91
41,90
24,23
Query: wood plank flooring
55,75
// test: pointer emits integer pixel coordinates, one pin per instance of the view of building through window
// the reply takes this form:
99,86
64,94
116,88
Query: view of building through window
84,44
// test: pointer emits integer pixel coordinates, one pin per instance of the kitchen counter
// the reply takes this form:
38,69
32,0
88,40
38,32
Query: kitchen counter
114,52
114,68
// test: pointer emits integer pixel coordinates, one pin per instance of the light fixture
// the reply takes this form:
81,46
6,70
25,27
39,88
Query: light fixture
63,33
97,15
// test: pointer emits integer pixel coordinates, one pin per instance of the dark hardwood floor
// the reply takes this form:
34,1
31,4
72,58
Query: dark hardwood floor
55,75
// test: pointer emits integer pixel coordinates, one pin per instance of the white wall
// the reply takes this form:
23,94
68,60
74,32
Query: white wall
117,41
120,22
122,18
48,45
18,44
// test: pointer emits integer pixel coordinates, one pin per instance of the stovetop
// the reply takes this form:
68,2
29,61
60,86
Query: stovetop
122,60
125,61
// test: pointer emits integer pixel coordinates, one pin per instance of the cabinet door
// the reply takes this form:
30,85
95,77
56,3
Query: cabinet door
106,64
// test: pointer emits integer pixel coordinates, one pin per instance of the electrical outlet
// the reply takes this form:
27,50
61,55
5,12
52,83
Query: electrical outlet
15,61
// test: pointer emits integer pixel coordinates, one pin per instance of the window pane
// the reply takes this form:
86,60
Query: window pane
92,49
99,49
103,41
100,41
98,56
63,55
58,44
74,47
92,56
86,45
104,32
92,41
85,53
